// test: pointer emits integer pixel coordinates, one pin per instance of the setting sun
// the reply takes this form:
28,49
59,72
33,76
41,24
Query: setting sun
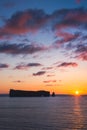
76,92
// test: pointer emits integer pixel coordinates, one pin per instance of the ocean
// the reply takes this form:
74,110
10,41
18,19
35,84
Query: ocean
43,113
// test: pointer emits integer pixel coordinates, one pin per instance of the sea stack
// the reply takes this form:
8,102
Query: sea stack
53,94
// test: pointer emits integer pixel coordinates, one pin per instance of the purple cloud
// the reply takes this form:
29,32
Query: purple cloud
33,20
39,73
3,66
81,52
47,68
15,49
26,66
68,64
23,22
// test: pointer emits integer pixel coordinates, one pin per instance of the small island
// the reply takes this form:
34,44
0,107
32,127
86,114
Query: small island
23,93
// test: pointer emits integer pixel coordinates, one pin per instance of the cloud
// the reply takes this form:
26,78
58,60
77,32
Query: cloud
71,18
50,81
23,22
3,66
34,64
82,56
47,68
52,85
49,85
50,75
21,67
68,64
26,66
66,25
18,81
66,37
39,73
34,20
81,52
15,49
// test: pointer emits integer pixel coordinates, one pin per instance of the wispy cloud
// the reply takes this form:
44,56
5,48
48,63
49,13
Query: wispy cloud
67,25
68,64
15,49
24,66
23,22
50,81
50,75
33,20
17,81
47,68
3,65
39,73
81,52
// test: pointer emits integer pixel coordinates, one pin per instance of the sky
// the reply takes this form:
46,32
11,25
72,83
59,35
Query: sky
43,45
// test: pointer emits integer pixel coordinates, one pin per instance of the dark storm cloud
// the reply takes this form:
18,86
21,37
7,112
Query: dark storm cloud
26,66
68,64
3,66
20,48
39,73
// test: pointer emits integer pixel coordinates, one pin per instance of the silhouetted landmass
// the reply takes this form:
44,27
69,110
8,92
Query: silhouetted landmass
22,93
4,95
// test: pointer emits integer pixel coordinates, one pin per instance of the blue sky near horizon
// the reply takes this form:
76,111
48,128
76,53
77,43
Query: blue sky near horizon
43,45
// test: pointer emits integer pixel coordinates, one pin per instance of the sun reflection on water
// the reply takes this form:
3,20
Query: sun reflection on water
79,120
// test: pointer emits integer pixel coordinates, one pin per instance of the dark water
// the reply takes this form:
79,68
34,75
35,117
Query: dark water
45,113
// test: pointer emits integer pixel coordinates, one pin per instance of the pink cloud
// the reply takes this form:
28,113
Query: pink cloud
82,56
68,64
23,22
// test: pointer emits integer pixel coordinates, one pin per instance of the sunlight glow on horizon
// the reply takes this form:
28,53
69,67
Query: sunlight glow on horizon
77,92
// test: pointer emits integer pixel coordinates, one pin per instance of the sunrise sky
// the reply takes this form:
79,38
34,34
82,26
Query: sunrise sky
43,45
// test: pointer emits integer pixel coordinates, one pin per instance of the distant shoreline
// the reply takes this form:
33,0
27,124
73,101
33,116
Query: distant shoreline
57,95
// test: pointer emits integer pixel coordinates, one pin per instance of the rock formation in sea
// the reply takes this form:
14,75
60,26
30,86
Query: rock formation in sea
53,94
22,93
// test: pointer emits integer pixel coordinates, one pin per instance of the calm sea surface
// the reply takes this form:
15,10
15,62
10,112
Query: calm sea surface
43,113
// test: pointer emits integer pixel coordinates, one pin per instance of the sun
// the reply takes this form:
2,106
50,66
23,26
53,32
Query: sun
76,92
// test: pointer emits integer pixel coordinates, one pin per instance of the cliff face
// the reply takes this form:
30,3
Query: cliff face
21,93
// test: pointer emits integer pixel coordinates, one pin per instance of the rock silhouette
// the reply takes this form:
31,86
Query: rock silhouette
22,93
